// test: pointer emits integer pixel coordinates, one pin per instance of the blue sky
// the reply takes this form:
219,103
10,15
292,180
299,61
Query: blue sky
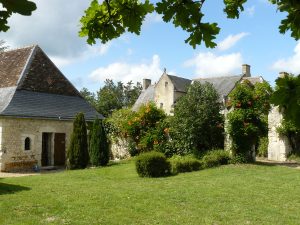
253,39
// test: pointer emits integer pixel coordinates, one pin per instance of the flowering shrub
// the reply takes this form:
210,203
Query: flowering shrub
145,129
247,120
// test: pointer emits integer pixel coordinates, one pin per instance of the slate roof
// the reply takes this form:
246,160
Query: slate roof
145,97
223,85
180,83
31,86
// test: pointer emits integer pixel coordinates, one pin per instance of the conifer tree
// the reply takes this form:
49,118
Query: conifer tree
77,154
98,148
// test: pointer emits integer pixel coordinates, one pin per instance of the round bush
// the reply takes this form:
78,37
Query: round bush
215,158
152,164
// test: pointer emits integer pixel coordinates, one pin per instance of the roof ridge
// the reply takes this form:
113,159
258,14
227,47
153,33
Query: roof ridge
177,76
217,77
21,48
27,65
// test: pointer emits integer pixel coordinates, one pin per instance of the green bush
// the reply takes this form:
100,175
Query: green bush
77,153
181,164
152,164
98,148
262,150
215,158
238,159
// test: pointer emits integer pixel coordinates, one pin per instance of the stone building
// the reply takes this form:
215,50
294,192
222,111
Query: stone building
37,106
170,88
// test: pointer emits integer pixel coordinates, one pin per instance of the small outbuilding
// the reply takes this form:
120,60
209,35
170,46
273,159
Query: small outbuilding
37,107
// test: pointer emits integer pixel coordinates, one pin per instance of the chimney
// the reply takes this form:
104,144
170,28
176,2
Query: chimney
246,70
283,74
146,83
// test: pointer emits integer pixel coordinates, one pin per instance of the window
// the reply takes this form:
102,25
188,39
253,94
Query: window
166,84
161,105
27,144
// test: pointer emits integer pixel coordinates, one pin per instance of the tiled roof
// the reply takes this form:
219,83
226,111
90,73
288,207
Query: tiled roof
223,85
180,83
145,97
28,104
12,64
32,86
43,76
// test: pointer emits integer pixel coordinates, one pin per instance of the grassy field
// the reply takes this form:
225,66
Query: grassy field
247,194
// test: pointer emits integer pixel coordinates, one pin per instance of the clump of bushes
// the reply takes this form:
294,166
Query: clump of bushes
215,158
181,164
152,164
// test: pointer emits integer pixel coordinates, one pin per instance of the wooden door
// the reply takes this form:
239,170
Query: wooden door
46,149
59,149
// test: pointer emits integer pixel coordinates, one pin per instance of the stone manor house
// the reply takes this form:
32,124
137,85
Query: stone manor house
170,88
37,106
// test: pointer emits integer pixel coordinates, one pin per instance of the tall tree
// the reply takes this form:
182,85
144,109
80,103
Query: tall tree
98,148
23,7
113,96
287,96
197,125
109,19
89,96
77,153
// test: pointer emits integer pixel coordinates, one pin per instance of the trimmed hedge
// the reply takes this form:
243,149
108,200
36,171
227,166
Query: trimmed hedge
181,164
152,164
215,158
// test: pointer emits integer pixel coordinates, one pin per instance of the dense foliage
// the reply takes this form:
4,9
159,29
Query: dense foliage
287,97
152,164
22,7
288,129
216,157
77,153
197,124
113,96
109,19
98,145
181,164
247,120
145,129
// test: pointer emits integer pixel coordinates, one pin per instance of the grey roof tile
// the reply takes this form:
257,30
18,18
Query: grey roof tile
28,104
223,85
145,97
6,95
180,84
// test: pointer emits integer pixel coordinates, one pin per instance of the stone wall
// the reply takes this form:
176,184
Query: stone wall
279,146
119,148
164,94
13,132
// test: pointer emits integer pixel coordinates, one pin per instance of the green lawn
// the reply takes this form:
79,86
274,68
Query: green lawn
247,194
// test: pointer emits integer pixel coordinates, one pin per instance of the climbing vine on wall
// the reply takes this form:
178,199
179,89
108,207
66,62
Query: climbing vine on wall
247,119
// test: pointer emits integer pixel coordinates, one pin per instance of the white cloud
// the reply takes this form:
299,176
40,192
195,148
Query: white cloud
54,26
120,71
250,11
209,64
230,41
290,64
153,18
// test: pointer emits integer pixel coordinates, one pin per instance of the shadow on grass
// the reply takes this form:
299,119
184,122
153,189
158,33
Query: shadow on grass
11,188
272,163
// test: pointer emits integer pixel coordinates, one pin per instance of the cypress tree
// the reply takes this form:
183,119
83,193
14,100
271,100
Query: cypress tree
98,148
77,154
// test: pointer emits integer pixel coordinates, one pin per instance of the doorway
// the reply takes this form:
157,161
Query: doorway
59,149
46,149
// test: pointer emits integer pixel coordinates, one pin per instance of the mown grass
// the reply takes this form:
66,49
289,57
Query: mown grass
234,194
